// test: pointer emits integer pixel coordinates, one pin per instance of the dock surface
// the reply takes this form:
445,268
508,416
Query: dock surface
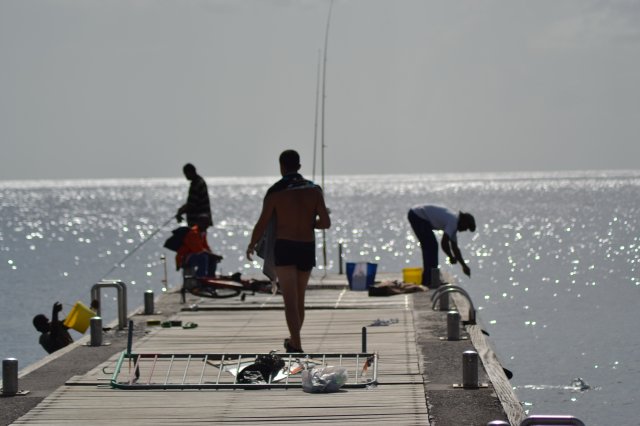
416,368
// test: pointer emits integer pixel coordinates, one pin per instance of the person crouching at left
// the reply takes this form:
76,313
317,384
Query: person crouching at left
54,334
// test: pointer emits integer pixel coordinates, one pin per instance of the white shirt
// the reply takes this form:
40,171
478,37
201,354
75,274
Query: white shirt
441,218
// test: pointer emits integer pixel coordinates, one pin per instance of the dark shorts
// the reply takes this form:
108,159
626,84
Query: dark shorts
301,254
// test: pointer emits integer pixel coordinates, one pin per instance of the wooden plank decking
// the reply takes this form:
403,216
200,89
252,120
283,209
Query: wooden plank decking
333,324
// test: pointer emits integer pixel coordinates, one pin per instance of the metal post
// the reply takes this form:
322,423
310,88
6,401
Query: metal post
470,369
444,302
148,302
9,376
96,331
453,325
472,316
130,337
435,278
129,346
364,340
165,281
340,258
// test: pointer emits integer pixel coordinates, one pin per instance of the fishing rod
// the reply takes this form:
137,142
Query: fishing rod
323,146
143,242
324,87
315,121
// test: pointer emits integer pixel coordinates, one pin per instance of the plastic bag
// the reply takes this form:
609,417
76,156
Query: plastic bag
324,379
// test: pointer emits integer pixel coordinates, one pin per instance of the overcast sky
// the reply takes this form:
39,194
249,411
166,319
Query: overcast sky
136,88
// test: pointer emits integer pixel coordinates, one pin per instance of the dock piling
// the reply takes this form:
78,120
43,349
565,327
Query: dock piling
148,302
453,325
470,369
444,302
9,377
96,331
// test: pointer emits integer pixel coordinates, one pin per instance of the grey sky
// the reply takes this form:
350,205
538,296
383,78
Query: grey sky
136,88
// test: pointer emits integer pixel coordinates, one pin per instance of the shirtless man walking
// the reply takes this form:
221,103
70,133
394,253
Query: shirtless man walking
298,208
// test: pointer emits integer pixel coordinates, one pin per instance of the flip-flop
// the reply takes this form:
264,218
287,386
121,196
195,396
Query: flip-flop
190,325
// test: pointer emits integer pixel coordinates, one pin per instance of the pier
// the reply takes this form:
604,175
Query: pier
419,370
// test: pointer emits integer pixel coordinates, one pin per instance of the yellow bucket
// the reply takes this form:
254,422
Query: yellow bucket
412,275
80,317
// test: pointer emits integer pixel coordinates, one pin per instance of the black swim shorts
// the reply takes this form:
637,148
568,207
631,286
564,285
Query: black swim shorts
301,254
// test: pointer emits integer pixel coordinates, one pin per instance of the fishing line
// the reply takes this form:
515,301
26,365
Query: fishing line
143,242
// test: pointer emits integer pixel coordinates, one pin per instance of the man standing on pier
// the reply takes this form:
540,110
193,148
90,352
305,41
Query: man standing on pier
197,206
297,207
425,219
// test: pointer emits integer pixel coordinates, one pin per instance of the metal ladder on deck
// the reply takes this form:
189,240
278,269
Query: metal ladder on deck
220,371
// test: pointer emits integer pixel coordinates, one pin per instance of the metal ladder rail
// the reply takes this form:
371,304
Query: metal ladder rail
444,287
455,289
544,420
121,288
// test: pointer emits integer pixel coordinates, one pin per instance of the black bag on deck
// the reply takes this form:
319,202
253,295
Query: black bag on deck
265,368
174,242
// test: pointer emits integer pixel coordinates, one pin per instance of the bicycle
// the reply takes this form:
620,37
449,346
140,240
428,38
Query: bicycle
222,287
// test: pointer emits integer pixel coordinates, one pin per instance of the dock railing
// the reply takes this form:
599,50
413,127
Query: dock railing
444,291
543,420
121,288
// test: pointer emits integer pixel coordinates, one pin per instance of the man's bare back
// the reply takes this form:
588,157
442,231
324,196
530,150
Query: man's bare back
298,212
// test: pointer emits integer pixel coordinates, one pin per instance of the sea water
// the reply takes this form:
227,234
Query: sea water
554,262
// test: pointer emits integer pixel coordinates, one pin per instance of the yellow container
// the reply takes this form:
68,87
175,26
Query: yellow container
412,275
80,317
